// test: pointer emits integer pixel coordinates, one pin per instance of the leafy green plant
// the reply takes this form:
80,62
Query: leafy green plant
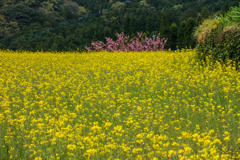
218,37
234,14
231,17
223,20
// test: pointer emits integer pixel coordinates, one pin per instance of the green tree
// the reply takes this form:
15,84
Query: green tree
47,24
199,19
89,32
142,22
99,33
150,24
49,41
172,16
174,30
181,34
26,45
71,40
107,32
127,25
79,36
133,25
114,24
205,13
72,46
68,14
23,15
12,46
157,22
82,11
73,7
8,29
165,31
226,8
54,47
35,27
114,33
61,43
188,34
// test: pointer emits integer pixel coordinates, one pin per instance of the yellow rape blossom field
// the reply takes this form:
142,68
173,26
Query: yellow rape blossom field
127,105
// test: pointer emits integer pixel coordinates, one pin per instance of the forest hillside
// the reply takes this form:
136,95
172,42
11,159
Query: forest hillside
174,19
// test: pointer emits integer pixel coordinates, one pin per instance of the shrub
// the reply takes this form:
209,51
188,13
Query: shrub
219,38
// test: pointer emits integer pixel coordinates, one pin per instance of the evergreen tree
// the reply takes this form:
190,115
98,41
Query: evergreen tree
157,23
150,24
89,32
127,25
114,33
49,41
173,16
79,35
114,26
188,34
142,22
39,47
67,33
213,10
96,34
61,44
165,31
180,35
205,13
107,32
174,30
72,46
199,19
226,8
68,14
133,25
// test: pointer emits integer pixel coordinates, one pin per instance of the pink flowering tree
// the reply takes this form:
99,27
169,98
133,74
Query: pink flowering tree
136,44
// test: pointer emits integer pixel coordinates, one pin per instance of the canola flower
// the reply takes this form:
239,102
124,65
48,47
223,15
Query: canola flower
134,105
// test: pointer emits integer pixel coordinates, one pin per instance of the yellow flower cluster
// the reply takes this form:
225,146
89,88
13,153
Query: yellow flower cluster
148,105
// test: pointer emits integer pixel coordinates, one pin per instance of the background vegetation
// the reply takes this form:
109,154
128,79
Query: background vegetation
219,38
174,19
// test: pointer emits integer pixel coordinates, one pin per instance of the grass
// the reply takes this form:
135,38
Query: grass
149,105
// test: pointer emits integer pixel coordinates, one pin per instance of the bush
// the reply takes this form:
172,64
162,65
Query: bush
219,38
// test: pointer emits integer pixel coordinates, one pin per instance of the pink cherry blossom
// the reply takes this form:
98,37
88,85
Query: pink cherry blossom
123,43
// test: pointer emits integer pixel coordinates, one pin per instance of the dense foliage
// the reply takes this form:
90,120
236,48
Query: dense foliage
24,18
219,38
